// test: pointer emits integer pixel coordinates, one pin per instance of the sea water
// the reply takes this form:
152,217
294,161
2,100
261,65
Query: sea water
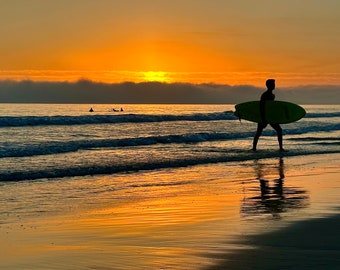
46,141
139,182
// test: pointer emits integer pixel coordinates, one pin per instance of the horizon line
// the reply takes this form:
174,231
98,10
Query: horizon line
255,78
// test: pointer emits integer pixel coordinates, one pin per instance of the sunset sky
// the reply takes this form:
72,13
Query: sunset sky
220,41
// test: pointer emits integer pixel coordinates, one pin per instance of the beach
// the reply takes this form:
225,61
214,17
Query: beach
279,212
169,135
309,243
164,187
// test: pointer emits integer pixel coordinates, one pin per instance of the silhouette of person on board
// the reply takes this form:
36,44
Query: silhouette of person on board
91,110
267,95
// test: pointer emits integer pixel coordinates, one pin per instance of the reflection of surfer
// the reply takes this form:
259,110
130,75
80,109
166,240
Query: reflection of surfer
268,95
274,198
266,190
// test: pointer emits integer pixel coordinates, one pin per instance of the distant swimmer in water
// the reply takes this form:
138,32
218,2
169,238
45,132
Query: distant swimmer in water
91,110
115,110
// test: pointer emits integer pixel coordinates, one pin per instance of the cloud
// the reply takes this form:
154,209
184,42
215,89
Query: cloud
85,91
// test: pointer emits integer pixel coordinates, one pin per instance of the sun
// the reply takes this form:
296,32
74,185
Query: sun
156,76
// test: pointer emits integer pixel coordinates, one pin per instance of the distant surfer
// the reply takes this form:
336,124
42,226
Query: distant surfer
267,95
116,110
91,110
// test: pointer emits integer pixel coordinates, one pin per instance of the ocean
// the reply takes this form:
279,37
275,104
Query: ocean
61,159
61,141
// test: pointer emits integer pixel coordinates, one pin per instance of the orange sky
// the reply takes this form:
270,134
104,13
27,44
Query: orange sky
221,41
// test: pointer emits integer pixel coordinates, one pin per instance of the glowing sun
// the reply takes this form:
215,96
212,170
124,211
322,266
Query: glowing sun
156,76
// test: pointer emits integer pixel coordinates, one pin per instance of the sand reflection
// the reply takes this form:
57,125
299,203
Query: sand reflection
271,196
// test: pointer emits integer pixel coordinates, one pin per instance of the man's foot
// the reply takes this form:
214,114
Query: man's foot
283,150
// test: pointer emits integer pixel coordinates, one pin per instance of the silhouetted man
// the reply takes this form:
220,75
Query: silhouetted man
268,95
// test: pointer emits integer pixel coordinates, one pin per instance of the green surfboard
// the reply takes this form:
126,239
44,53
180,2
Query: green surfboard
276,112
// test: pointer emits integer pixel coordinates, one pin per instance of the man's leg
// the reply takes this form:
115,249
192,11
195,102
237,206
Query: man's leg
278,130
260,127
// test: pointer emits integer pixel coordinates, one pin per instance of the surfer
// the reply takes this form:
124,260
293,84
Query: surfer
267,95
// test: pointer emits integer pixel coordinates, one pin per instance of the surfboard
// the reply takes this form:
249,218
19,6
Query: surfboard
276,112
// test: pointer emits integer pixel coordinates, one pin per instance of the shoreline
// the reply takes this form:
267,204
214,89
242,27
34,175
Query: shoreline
215,215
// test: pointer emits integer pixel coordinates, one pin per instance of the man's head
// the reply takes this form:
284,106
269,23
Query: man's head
270,83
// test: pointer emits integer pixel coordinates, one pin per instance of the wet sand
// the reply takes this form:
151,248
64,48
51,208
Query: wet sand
312,244
276,213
